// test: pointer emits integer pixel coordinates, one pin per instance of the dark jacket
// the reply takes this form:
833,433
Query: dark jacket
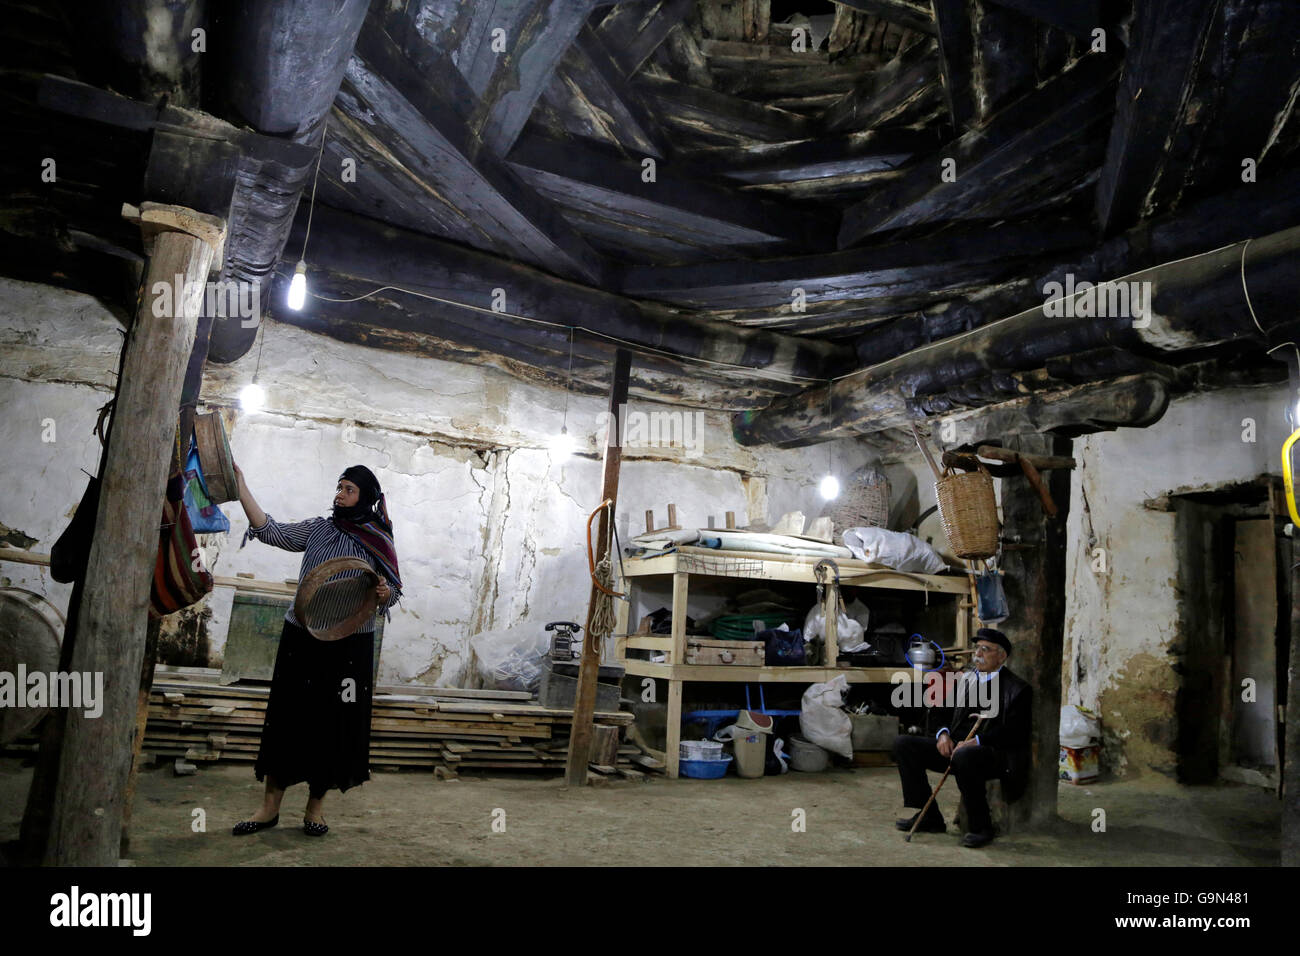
1009,733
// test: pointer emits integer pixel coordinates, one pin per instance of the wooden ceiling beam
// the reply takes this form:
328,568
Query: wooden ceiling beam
418,110
913,14
633,31
1006,44
1243,90
596,101
1076,17
374,254
863,154
1255,209
508,82
1190,304
952,259
894,95
706,117
989,161
956,58
616,189
1159,66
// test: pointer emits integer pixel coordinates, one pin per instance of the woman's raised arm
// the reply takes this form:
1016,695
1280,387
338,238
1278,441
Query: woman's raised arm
256,516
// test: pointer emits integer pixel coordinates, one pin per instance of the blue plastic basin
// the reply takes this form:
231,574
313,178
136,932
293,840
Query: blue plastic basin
704,769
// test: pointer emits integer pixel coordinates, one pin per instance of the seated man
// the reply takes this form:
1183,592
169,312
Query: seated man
1000,748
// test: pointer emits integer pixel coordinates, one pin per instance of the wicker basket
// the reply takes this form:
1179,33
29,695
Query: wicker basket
969,512
865,503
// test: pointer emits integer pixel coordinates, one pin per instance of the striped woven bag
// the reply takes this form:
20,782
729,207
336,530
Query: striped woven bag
179,578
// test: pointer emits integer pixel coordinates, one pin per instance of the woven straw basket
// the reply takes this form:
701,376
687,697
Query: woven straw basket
969,512
865,502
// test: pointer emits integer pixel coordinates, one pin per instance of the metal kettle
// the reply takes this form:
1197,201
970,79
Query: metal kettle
922,653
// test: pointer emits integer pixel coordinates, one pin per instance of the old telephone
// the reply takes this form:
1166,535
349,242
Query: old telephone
563,639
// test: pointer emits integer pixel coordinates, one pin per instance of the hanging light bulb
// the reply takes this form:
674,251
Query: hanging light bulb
298,287
830,487
252,397
563,445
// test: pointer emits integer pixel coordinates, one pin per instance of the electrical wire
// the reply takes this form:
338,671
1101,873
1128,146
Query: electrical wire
989,325
790,379
311,208
767,374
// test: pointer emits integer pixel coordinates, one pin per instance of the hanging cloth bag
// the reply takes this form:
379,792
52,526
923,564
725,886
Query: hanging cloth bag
179,578
205,516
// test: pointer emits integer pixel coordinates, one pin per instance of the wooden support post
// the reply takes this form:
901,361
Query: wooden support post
731,520
1035,586
672,517
86,821
672,748
141,720
831,629
681,590
649,521
584,702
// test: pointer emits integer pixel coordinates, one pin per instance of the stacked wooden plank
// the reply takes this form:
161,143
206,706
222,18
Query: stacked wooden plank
452,729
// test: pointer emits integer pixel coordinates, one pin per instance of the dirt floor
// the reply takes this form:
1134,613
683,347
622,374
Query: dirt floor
400,819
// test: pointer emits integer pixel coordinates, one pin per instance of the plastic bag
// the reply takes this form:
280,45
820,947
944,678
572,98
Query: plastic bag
860,613
1080,727
823,720
205,516
782,646
848,632
511,659
894,549
779,756
992,598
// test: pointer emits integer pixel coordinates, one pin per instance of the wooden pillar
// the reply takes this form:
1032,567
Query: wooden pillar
1291,728
141,721
86,820
584,703
1034,562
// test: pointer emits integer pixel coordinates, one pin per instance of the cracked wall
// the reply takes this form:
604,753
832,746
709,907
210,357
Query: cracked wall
489,526
1123,637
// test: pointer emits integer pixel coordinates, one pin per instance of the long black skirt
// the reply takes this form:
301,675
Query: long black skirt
317,727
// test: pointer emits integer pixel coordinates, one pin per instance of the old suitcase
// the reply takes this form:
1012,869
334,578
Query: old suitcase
705,650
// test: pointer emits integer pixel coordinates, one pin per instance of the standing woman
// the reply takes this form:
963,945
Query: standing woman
314,733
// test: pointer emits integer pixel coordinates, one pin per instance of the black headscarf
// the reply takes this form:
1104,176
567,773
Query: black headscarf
365,480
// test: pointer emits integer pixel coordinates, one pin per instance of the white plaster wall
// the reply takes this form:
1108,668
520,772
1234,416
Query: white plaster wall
1119,623
58,360
489,526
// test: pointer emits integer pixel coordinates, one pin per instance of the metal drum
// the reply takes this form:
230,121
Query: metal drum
31,629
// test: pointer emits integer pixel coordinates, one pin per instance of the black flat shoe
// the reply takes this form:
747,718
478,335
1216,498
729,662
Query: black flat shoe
252,826
977,839
931,824
314,829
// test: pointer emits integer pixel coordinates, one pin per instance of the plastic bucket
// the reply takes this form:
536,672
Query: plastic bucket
751,754
806,756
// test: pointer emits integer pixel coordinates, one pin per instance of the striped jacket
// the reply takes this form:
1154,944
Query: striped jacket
319,541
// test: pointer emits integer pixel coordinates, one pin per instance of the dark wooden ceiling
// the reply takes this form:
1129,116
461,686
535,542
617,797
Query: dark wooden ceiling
791,191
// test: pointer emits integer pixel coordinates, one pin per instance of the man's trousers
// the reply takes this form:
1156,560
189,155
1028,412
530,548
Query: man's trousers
973,766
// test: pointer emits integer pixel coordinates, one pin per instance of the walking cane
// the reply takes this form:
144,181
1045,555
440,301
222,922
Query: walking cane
917,822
